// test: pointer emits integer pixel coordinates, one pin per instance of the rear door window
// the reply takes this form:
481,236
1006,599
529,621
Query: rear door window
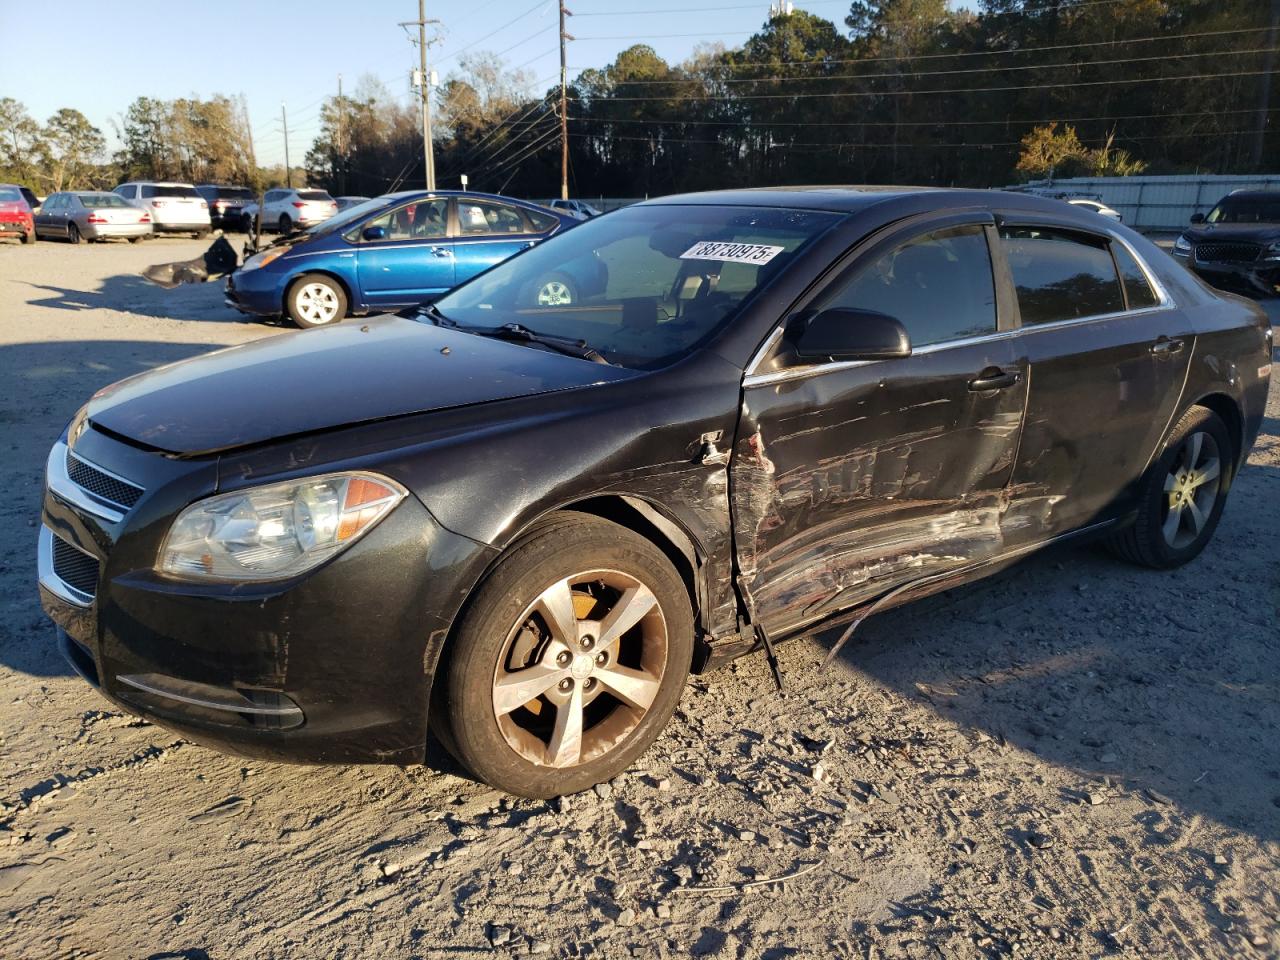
1137,288
1060,275
475,219
938,285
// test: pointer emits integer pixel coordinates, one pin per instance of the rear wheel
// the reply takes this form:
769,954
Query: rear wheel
315,301
284,224
28,237
1182,495
73,233
569,661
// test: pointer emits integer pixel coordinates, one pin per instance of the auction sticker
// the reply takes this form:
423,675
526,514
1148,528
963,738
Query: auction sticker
756,253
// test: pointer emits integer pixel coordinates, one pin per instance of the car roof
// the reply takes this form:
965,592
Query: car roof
1253,195
851,199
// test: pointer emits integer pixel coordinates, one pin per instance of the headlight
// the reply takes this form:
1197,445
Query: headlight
1182,246
275,531
263,258
1272,252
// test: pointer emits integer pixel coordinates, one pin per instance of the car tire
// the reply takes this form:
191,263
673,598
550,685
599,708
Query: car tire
284,224
590,705
73,233
135,239
315,300
555,290
29,237
201,234
1181,496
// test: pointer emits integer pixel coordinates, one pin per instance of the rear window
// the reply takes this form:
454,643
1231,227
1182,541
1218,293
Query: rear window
1060,275
230,193
8,195
1137,288
541,221
313,195
102,200
152,190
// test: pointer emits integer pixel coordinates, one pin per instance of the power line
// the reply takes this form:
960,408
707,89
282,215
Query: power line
937,90
919,123
475,151
511,22
827,61
1068,6
787,145
515,144
954,72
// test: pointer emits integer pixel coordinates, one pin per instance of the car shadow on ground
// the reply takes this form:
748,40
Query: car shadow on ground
133,294
1162,681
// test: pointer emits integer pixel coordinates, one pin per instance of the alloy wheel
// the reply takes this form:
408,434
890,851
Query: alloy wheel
316,303
554,293
1191,489
581,668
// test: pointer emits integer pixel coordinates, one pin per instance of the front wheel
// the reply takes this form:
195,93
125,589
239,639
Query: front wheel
315,301
556,290
1182,495
570,660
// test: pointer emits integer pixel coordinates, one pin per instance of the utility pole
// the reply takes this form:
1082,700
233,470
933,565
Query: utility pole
564,107
342,148
424,87
284,120
1264,97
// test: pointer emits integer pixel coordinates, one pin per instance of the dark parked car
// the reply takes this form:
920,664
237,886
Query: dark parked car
519,526
226,204
1237,246
397,251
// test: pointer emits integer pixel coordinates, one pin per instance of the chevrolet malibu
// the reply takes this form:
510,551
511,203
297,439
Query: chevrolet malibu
519,526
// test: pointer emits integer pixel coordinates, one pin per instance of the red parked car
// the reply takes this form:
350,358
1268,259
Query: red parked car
15,213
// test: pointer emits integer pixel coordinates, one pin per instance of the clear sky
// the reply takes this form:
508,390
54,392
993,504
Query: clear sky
98,56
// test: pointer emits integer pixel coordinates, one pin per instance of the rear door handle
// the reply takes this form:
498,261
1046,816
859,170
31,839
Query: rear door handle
993,378
1164,347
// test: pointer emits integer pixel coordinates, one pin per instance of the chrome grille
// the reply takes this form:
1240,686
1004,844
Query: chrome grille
102,484
75,568
1227,252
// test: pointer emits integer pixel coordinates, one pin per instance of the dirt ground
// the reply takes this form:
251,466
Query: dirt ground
1073,759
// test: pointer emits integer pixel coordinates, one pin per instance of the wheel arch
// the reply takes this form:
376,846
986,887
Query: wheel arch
1229,410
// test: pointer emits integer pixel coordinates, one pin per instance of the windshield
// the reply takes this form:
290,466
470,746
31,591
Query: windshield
1246,210
102,200
643,286
351,215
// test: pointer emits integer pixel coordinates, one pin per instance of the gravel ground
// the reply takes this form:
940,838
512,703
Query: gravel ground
1073,759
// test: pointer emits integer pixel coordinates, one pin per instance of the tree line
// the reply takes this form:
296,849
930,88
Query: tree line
899,91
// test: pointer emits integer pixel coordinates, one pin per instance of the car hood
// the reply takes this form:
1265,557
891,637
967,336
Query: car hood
321,379
1235,232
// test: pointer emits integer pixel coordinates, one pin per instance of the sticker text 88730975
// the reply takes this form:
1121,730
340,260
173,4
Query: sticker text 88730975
753,253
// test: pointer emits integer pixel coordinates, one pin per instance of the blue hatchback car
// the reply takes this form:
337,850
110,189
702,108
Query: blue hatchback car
400,250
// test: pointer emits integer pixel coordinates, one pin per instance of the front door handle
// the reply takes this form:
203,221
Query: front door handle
442,251
993,378
1164,347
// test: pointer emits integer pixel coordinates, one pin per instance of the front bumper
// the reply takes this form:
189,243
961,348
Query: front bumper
259,292
332,666
1259,277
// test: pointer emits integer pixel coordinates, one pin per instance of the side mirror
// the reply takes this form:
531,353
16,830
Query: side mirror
842,334
1197,218
374,233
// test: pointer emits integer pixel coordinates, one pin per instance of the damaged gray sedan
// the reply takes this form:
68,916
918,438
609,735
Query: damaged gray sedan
519,525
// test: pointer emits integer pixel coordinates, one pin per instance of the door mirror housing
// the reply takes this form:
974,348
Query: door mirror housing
844,334
374,233
1197,218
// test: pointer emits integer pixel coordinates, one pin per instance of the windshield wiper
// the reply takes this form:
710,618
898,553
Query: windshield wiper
518,333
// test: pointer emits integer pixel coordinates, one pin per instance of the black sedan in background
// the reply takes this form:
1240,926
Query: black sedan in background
520,525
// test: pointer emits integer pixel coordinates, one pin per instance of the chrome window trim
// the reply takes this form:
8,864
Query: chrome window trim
62,487
1164,302
50,580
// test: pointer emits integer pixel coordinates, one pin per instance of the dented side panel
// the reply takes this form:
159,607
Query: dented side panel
851,481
